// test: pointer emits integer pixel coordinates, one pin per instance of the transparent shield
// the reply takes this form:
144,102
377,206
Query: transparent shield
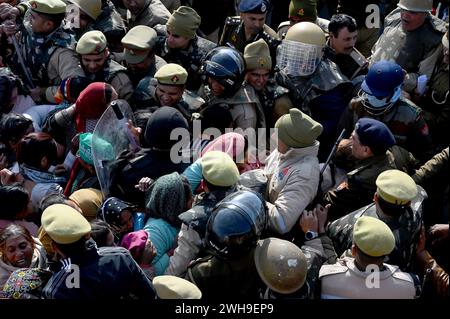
111,130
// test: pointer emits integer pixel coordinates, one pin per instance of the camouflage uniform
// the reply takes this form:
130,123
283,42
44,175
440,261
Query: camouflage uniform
190,59
50,59
406,229
144,98
153,14
234,34
408,49
404,119
317,252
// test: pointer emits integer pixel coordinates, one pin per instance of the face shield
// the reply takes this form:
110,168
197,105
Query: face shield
378,106
298,59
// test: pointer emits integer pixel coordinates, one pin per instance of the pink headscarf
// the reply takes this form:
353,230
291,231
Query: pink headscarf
135,243
231,143
234,145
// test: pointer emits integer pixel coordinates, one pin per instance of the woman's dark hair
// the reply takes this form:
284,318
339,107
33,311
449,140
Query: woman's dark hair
14,199
13,127
33,147
51,199
14,230
8,81
99,232
216,116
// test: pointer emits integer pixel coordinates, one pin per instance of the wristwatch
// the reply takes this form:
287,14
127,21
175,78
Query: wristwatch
311,235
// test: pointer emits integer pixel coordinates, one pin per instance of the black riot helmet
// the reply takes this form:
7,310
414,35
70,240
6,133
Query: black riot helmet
236,224
225,65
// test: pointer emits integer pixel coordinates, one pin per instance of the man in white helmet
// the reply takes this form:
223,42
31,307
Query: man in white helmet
411,36
316,84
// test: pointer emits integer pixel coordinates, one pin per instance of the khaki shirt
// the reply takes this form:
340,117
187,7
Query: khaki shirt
63,64
344,280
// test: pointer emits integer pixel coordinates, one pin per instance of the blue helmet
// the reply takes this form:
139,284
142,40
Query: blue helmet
236,224
225,65
383,78
381,87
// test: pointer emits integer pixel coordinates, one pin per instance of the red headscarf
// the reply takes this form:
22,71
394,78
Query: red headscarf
90,105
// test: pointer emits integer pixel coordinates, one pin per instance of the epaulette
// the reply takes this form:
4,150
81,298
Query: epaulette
403,276
327,270
235,20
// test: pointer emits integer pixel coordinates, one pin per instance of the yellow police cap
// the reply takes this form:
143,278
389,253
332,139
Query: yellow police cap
172,287
171,74
64,224
373,237
92,42
396,187
219,169
137,43
257,55
48,6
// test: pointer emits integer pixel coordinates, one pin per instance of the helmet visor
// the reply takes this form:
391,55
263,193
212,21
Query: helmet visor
298,59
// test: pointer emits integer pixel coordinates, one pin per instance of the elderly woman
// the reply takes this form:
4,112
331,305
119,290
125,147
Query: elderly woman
169,196
18,249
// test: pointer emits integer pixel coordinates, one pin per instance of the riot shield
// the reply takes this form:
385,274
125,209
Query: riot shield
111,129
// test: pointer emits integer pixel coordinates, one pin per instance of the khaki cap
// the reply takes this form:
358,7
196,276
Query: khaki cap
171,74
373,237
64,224
257,55
137,43
219,169
396,187
93,8
48,6
172,287
92,42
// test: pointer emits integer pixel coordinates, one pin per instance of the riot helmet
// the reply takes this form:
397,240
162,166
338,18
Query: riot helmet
301,51
281,265
236,224
226,66
382,87
416,5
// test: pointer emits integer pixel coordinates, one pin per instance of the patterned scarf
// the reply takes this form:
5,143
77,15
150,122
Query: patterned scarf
37,50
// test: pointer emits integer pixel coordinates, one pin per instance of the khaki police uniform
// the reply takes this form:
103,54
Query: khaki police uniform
94,42
408,49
